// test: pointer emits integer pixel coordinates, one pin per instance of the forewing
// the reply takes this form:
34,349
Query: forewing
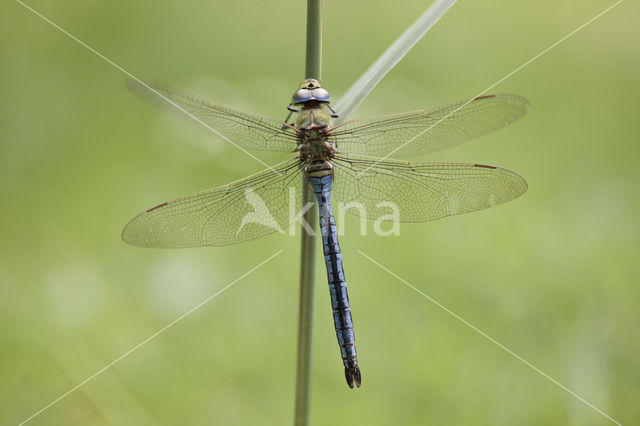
420,192
420,132
247,130
243,210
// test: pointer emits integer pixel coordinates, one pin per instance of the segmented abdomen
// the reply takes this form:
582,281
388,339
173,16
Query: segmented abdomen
321,186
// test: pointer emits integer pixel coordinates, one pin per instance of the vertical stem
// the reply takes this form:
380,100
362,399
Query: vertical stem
305,318
313,68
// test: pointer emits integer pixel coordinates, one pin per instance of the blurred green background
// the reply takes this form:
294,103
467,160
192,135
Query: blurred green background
554,275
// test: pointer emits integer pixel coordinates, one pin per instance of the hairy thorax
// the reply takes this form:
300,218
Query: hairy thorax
315,145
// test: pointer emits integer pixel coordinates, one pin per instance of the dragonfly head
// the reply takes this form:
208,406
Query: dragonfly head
310,90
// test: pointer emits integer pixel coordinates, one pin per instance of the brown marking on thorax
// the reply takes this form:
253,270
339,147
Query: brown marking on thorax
315,146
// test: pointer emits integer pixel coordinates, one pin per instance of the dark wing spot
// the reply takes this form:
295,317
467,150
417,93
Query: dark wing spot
475,165
484,97
156,207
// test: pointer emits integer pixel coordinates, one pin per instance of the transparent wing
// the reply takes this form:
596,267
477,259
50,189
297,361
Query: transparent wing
247,130
420,192
420,132
243,210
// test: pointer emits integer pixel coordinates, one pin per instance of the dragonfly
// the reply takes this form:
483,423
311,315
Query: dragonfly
350,161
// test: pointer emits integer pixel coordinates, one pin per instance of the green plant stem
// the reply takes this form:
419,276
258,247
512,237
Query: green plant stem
313,68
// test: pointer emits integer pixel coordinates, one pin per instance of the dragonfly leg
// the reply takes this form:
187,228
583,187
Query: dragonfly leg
333,113
291,111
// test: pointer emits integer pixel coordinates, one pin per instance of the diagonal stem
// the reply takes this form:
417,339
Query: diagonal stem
390,58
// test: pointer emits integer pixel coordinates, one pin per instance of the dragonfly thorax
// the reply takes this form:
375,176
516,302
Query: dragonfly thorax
315,145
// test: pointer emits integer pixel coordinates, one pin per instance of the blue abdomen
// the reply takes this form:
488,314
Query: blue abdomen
321,186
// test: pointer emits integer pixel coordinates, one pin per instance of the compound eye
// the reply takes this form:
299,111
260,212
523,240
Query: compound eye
321,94
302,95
